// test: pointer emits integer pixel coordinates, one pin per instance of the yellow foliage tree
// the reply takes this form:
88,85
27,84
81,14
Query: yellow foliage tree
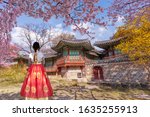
137,42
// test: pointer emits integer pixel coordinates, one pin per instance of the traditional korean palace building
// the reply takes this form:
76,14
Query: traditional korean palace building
72,57
78,59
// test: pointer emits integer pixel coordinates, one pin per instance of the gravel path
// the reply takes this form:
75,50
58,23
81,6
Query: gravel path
71,93
60,93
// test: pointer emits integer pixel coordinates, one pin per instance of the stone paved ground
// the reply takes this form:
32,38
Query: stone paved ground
66,90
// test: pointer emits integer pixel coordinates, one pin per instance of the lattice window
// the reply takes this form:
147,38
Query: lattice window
65,52
49,63
73,58
74,53
79,75
117,52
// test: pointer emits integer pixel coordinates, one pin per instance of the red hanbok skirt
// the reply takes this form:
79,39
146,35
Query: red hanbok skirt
36,83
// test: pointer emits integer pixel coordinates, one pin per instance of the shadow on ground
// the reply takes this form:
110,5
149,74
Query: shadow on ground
11,96
87,92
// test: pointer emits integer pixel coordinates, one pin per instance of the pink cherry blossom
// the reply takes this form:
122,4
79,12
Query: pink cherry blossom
72,12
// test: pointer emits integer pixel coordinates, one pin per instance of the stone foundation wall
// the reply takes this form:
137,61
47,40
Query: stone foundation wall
119,72
124,72
73,73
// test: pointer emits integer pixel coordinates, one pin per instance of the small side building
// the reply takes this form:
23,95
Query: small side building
116,67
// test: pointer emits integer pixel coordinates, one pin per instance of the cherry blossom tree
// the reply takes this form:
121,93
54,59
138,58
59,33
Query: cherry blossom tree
7,53
72,12
129,9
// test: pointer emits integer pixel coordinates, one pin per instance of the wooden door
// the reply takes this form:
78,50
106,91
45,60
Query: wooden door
59,71
98,73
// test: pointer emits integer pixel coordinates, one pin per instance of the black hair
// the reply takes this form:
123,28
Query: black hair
36,46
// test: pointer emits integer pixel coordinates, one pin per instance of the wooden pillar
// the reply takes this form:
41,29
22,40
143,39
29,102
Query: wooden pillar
113,51
66,71
56,73
81,67
68,53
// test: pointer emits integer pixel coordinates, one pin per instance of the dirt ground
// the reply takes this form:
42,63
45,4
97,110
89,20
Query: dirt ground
68,90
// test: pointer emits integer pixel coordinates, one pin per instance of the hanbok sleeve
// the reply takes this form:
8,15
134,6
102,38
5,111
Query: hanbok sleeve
30,58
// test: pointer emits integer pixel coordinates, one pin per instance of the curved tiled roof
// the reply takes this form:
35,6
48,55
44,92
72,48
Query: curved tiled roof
107,43
49,55
74,43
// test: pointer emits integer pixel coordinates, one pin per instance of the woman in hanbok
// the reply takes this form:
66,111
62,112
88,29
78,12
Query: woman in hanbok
36,84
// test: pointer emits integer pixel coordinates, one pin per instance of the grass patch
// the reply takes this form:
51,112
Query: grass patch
12,74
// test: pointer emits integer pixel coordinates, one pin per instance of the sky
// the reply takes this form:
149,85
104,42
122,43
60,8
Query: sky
101,33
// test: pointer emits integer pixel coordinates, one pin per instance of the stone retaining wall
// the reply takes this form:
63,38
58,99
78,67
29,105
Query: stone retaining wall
122,72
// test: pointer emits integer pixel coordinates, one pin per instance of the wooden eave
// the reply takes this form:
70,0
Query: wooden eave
73,43
108,43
